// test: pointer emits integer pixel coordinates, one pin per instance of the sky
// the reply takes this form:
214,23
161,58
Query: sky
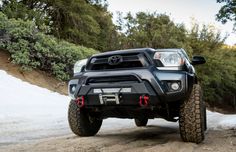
181,11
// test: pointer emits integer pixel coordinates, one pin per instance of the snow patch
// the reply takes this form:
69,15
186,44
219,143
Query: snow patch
218,121
29,112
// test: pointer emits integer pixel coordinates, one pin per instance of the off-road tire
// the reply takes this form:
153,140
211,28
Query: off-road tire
192,115
81,123
141,122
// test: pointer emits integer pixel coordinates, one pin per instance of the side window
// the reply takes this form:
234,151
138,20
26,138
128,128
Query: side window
79,64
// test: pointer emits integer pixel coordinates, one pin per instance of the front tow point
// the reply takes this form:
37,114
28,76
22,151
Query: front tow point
143,100
80,101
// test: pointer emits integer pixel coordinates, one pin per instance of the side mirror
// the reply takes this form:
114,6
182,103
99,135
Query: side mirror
83,68
198,60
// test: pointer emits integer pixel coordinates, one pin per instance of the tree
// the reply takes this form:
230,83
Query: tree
152,30
84,22
227,12
205,38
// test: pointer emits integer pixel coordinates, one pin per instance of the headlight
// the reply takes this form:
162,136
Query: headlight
72,86
169,59
79,64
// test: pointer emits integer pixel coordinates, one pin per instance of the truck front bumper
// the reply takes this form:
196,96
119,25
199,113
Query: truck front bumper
151,84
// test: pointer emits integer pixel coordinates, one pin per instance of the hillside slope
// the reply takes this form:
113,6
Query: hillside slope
36,77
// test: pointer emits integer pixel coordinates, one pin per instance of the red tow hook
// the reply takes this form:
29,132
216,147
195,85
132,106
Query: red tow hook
143,101
80,101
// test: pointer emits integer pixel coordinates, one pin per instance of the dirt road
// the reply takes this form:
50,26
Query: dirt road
148,139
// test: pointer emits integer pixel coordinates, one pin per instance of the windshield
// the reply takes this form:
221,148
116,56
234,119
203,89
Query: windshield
185,54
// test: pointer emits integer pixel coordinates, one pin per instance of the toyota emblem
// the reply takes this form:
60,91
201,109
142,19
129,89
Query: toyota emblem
115,60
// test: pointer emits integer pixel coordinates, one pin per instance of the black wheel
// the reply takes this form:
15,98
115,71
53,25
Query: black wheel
141,122
192,121
81,123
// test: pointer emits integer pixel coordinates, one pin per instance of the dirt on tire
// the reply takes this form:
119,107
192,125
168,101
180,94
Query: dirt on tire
80,123
191,121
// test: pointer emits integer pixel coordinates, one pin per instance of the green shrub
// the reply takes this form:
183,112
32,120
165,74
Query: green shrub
218,78
32,49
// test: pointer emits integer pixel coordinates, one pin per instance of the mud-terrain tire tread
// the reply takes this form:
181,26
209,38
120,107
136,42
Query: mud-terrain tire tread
192,114
79,121
141,122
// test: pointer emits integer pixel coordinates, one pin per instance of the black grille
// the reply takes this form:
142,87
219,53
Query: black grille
113,79
127,61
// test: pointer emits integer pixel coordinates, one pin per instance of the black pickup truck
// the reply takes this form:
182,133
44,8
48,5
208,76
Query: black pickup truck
139,84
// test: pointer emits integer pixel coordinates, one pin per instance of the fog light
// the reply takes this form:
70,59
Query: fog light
174,86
